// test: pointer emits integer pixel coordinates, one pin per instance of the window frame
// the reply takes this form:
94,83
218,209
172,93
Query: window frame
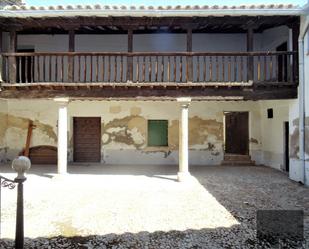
167,140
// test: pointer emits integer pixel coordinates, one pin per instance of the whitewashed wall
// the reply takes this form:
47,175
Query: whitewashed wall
272,131
297,171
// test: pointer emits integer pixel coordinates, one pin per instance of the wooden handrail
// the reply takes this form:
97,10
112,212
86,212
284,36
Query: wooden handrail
143,67
152,53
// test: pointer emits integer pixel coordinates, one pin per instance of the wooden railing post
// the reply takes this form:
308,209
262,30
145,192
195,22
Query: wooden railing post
189,57
1,68
130,57
12,59
70,57
250,57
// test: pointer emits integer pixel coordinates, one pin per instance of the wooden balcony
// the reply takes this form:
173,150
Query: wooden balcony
189,71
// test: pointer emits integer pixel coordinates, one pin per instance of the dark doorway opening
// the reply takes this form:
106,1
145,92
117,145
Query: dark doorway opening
286,147
25,67
282,62
87,139
237,133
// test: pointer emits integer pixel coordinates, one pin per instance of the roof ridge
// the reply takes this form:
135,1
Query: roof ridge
147,7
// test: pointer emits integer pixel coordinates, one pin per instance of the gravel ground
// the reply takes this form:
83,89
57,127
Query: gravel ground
130,207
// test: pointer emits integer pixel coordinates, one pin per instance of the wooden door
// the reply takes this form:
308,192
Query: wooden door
237,133
87,139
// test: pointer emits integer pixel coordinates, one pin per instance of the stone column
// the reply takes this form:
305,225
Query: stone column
62,135
183,173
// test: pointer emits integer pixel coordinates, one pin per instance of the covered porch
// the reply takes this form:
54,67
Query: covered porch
148,56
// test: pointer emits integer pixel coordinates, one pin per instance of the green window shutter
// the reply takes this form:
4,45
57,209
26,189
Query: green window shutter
157,132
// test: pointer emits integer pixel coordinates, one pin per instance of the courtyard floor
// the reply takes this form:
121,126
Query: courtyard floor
127,206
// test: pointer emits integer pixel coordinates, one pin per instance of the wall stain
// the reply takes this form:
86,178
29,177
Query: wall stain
122,131
200,131
115,109
296,121
294,139
132,130
135,111
22,123
254,141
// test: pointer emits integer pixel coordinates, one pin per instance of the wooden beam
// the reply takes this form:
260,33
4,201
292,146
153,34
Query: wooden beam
130,59
1,58
12,59
250,36
244,93
71,59
189,58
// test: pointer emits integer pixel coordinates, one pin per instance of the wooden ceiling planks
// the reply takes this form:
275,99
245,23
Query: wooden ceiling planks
108,25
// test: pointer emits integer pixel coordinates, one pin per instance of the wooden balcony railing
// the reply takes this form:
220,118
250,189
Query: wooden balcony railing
140,67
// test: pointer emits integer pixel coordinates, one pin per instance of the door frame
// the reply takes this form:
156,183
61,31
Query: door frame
224,130
73,137
286,148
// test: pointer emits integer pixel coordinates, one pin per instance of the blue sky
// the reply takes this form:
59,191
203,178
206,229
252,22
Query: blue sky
162,2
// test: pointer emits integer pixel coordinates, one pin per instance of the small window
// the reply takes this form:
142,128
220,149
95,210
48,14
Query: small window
157,132
270,113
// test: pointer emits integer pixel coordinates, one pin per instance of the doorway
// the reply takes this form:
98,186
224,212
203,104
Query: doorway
286,147
87,139
237,133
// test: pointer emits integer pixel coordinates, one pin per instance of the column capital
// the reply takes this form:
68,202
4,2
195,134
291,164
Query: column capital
62,101
184,101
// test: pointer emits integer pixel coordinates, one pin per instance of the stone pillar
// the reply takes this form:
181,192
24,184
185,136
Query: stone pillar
62,135
183,173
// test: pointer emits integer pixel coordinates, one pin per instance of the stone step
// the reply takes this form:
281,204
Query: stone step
239,163
235,159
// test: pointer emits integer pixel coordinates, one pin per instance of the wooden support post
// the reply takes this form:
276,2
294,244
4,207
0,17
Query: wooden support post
130,58
1,58
250,49
12,59
189,58
295,34
71,58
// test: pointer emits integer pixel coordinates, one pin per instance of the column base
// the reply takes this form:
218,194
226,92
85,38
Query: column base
184,176
62,171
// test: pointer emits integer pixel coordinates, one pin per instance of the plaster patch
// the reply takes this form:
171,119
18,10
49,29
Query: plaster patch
128,130
294,143
296,121
135,111
204,133
115,109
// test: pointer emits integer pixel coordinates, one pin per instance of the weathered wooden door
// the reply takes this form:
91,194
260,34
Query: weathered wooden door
236,133
87,139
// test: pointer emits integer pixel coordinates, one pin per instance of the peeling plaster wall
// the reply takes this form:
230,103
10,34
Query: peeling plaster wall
43,113
296,166
3,129
124,128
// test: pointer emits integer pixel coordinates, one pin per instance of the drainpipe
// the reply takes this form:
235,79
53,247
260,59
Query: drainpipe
302,33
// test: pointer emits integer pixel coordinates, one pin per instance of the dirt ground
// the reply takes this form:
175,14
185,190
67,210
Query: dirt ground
126,206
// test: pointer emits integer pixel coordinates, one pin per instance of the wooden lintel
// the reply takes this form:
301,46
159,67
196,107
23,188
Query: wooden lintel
247,93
